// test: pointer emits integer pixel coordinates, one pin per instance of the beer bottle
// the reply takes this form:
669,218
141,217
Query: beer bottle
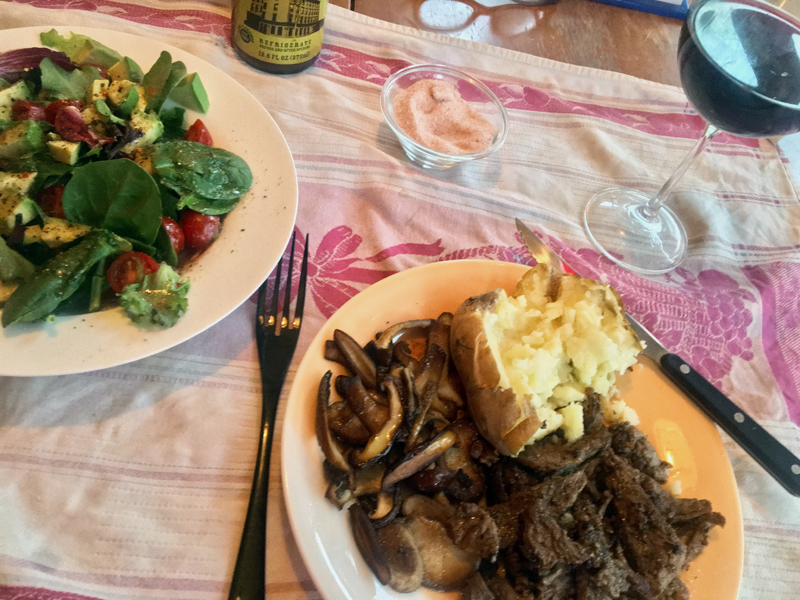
278,36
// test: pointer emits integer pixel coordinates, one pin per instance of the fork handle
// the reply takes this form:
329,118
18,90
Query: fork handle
249,575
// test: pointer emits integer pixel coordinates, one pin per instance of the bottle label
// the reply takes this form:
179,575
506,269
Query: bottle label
282,32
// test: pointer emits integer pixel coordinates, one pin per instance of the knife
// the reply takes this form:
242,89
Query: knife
773,456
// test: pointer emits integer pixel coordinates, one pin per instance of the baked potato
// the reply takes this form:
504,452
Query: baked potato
527,360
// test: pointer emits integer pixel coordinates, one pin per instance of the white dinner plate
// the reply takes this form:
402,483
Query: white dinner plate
252,240
677,428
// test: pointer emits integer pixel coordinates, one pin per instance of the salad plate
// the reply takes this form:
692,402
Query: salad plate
678,430
251,241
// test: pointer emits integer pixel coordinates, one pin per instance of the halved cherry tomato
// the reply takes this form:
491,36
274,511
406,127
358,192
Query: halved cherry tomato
23,110
51,199
52,109
129,268
198,133
199,229
174,232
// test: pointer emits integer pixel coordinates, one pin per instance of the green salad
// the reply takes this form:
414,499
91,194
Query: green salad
103,192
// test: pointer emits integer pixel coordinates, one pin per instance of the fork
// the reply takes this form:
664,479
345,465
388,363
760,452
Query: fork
276,341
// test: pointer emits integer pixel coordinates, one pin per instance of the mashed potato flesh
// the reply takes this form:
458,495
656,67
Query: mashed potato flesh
551,351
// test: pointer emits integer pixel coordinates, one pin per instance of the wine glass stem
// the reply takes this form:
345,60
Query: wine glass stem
650,210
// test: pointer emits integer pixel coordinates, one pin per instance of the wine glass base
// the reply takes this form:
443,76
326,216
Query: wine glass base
618,226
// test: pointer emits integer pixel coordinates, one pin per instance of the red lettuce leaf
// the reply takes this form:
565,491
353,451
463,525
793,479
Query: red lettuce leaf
14,63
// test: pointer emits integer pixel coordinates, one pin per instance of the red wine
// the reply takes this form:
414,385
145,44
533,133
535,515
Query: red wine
739,63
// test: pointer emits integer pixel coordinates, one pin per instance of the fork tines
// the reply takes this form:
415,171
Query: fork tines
269,322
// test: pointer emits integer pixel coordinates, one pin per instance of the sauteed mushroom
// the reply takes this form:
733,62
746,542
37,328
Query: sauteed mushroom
330,448
365,406
420,458
357,360
394,332
381,440
345,424
368,544
403,557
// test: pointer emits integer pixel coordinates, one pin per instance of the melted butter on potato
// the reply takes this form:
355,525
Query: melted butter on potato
557,336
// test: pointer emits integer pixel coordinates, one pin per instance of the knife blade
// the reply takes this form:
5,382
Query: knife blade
767,451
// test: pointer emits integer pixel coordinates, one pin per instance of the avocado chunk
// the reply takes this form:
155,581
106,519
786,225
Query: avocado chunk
6,289
55,232
121,92
13,266
97,91
9,95
64,151
126,69
94,119
15,207
21,140
150,126
17,182
191,94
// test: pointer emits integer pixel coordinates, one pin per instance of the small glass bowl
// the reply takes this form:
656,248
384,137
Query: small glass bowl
480,98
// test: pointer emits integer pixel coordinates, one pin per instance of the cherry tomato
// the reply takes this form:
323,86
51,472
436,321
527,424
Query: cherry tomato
174,232
199,229
198,133
129,268
23,110
52,109
51,199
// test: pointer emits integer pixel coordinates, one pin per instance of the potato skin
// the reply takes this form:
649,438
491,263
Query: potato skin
504,421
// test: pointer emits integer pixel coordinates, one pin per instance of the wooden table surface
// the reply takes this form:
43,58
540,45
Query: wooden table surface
580,32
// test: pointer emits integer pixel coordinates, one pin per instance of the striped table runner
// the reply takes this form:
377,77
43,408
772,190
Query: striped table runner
132,483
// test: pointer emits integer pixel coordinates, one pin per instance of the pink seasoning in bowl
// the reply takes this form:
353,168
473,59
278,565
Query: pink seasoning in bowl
433,113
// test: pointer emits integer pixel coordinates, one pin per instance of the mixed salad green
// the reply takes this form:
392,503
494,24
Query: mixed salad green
103,193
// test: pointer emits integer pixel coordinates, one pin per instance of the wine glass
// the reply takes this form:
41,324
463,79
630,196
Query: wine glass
739,63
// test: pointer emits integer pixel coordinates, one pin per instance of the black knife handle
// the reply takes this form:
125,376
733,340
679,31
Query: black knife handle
776,459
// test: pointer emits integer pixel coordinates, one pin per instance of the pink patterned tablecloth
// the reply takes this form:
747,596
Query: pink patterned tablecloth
132,482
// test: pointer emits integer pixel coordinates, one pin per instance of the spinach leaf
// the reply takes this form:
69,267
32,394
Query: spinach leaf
48,171
172,119
164,249
169,202
66,85
207,206
39,296
98,284
130,102
193,168
117,195
104,110
12,265
161,79
138,246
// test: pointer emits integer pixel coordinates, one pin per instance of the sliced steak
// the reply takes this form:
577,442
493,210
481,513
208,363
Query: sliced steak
651,546
474,531
554,454
544,541
607,570
476,589
632,445
692,522
676,590
561,492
